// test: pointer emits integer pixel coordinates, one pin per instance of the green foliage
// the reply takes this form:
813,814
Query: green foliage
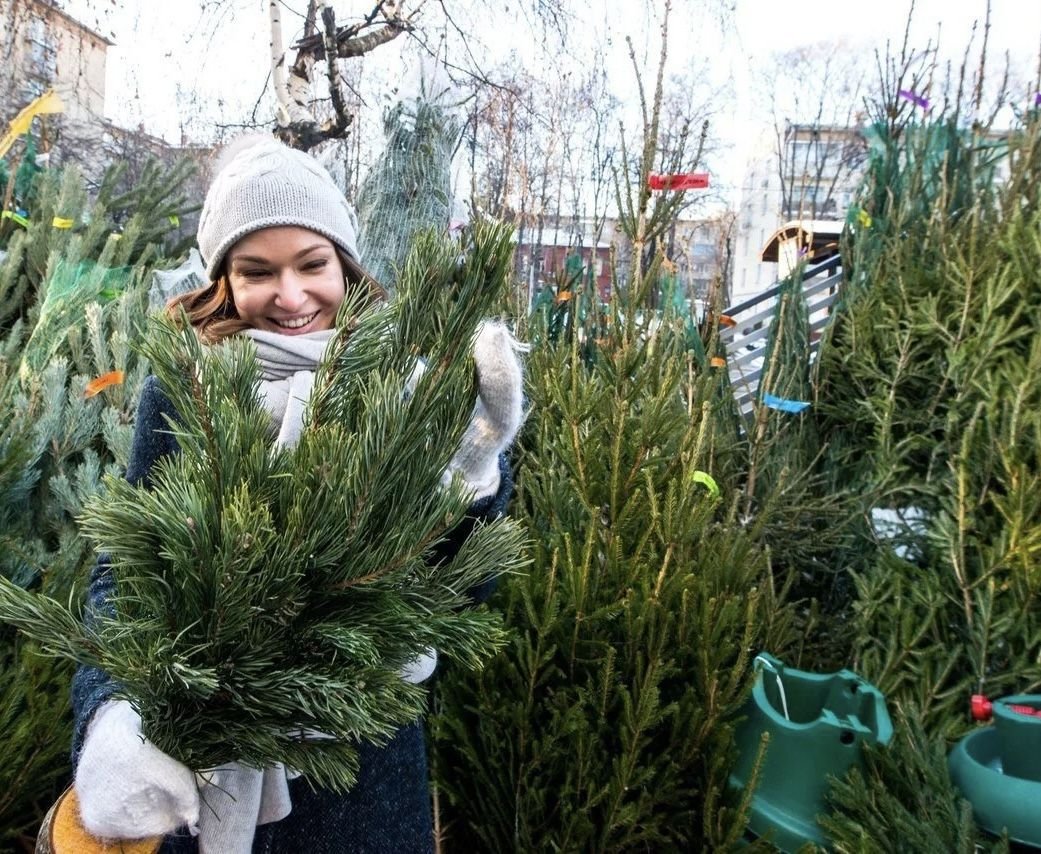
264,592
114,230
71,304
904,800
930,381
408,189
20,183
607,724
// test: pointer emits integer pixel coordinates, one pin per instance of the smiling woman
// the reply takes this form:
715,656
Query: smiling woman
279,242
286,279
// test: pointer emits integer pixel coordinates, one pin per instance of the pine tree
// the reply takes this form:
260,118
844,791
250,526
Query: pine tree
261,592
72,301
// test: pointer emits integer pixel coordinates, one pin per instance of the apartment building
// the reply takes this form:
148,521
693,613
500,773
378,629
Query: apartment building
809,175
43,47
695,249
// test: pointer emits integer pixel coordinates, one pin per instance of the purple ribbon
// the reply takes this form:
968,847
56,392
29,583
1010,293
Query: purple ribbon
914,98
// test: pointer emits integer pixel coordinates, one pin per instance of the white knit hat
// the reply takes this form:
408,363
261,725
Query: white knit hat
262,183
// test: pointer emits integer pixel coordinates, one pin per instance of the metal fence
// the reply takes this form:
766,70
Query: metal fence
745,334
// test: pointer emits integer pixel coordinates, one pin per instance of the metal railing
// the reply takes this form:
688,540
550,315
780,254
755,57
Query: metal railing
745,340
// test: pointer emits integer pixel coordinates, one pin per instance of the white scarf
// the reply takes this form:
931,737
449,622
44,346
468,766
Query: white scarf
287,366
237,798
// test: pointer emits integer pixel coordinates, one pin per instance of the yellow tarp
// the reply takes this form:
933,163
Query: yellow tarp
48,102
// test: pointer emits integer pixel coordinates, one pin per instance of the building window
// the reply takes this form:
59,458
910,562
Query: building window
43,55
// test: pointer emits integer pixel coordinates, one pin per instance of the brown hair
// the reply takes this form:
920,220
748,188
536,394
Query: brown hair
211,308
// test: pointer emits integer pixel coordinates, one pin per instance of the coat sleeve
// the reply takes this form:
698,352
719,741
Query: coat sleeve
92,686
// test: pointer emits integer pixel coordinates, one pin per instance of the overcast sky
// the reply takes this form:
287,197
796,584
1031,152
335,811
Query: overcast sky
165,47
174,67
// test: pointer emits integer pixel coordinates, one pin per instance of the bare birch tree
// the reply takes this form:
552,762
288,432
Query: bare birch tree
299,115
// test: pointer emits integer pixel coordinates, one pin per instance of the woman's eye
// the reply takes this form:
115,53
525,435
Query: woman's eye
254,275
314,266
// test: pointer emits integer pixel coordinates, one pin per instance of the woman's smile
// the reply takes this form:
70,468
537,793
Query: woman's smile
294,324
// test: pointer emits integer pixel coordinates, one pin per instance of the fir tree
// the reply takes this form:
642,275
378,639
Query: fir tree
809,515
607,724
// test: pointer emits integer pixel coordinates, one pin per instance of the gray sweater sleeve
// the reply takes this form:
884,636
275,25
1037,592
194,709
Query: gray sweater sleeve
152,441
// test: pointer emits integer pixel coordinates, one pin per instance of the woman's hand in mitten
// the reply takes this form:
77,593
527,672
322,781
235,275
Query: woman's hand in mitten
420,668
127,788
498,413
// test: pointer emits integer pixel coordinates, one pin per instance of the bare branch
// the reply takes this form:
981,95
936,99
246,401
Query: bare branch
342,116
363,44
349,42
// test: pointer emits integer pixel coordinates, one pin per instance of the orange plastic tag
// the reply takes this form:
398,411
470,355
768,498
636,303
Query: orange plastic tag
98,385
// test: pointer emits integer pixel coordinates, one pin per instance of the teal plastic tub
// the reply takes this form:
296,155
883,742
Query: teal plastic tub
998,770
817,726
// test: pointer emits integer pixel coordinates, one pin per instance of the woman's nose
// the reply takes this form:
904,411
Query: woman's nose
290,296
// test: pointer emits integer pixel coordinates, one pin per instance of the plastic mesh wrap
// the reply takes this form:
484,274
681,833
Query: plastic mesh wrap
409,188
167,284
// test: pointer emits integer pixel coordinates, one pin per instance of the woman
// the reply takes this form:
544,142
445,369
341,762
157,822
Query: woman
280,245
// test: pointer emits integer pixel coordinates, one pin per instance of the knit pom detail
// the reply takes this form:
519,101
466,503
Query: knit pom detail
241,143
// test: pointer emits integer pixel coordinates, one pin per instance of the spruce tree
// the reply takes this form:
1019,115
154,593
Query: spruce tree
929,398
811,517
904,799
408,189
607,722
930,375
72,301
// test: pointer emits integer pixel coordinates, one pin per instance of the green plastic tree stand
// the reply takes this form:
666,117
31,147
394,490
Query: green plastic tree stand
998,770
816,724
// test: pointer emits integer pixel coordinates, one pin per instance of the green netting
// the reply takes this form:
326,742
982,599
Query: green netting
70,288
409,189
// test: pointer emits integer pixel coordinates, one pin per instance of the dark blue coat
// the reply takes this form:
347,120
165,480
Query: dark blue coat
388,811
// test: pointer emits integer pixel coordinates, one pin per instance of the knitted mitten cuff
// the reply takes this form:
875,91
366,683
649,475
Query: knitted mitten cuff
498,413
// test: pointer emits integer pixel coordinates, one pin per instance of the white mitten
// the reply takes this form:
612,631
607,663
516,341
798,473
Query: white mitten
127,788
420,668
498,413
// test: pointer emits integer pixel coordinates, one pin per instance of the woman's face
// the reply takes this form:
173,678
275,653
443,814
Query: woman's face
286,279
